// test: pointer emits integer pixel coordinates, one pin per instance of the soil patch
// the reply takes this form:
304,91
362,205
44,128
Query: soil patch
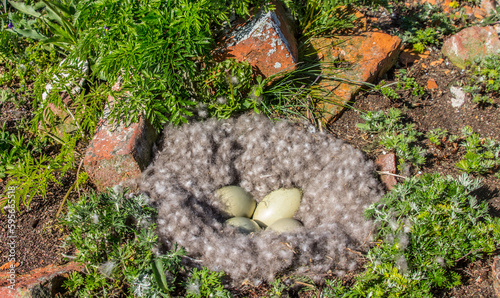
39,237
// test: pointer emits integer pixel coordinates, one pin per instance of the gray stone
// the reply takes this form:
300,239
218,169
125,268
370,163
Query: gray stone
470,44
458,98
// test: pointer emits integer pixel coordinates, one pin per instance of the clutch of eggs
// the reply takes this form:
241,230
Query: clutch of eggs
274,212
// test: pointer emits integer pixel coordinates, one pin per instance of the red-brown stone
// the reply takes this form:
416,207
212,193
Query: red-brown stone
489,6
117,154
50,277
387,163
431,84
266,41
368,55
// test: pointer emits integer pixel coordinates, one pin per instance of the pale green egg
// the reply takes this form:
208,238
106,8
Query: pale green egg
236,201
285,225
244,225
281,203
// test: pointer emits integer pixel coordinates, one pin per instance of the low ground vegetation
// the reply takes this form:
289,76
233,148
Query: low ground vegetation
160,51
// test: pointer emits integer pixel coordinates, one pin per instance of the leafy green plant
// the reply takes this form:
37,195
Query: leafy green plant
292,94
35,172
406,82
487,70
166,44
334,288
32,174
205,283
403,83
422,38
10,45
395,135
15,148
376,122
482,156
9,153
277,288
224,87
6,96
385,89
482,100
34,61
484,81
436,136
403,143
477,92
425,25
57,17
325,17
493,17
114,234
24,63
426,225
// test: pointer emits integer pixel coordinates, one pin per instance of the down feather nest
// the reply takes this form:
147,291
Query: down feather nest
338,183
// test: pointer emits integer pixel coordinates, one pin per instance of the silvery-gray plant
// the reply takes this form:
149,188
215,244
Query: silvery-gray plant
338,183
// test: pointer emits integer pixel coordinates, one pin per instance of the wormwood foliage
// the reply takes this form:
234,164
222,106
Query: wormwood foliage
206,283
436,136
488,69
485,77
395,135
426,226
114,235
483,154
115,239
485,80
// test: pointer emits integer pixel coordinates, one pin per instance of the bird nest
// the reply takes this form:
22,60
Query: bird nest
338,183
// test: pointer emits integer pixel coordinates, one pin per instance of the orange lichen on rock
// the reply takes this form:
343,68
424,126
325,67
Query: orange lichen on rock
368,55
50,277
266,41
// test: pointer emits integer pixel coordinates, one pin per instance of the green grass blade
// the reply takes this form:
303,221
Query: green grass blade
159,274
